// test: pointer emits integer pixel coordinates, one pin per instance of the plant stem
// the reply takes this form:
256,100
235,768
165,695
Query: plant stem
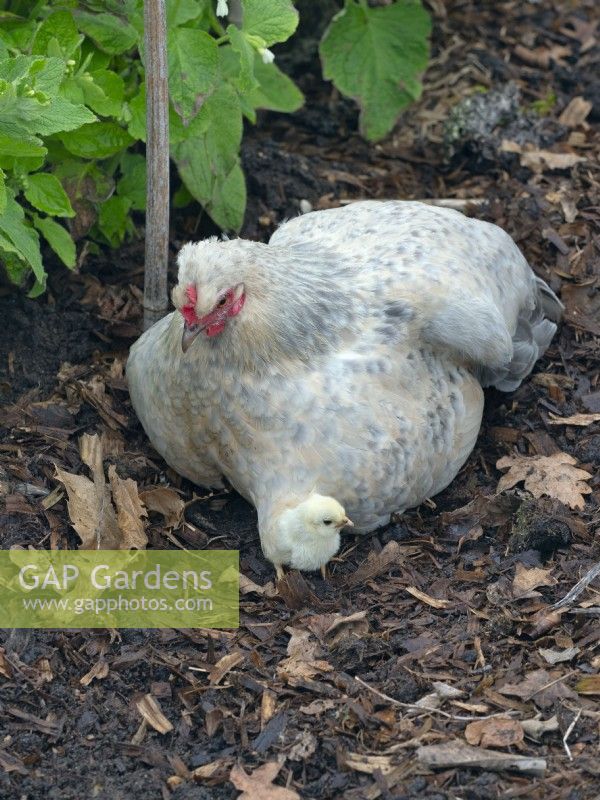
157,163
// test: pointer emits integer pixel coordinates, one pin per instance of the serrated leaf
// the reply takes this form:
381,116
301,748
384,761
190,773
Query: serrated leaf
181,11
103,91
133,183
244,80
110,33
45,192
97,140
58,238
113,219
208,160
271,20
61,28
376,56
22,236
276,91
22,147
62,116
193,62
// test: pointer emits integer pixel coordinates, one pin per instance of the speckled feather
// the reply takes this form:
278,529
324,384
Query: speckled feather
356,366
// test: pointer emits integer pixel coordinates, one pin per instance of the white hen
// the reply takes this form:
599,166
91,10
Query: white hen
346,357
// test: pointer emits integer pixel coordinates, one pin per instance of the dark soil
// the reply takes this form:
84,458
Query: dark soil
474,626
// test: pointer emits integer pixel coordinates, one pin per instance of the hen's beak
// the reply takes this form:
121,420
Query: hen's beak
189,334
345,523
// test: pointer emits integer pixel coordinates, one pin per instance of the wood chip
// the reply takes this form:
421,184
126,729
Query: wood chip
151,711
425,598
457,754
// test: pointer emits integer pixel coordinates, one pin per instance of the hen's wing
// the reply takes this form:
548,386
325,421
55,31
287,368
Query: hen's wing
463,284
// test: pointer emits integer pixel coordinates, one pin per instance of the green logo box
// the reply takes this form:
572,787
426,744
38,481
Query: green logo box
119,588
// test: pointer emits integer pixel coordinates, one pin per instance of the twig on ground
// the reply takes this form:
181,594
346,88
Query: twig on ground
574,593
427,709
568,733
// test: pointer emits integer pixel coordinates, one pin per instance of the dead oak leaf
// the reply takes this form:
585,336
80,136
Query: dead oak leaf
260,783
494,732
551,476
527,579
130,511
166,502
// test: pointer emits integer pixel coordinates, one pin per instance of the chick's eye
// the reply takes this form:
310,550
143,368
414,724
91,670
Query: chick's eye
327,521
222,301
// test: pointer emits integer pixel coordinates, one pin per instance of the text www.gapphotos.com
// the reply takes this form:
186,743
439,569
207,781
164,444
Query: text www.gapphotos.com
103,605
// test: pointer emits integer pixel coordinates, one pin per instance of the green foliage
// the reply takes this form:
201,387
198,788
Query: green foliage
73,107
377,55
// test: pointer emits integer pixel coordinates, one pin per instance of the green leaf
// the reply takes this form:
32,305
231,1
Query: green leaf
133,183
58,27
27,146
22,236
62,116
271,20
181,11
208,161
97,140
110,33
245,80
103,91
275,92
193,72
58,238
376,56
2,192
113,219
45,192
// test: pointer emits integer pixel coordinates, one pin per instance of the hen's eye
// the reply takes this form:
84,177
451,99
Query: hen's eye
327,521
222,302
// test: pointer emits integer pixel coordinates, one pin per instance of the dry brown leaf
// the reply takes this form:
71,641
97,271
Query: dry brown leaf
247,586
317,707
259,784
556,656
214,772
333,628
225,665
538,160
98,671
151,711
494,732
527,579
575,419
425,598
550,476
575,113
91,512
296,668
588,685
543,687
130,511
164,501
5,667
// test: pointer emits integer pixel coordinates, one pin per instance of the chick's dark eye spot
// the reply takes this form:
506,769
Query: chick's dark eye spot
327,521
222,301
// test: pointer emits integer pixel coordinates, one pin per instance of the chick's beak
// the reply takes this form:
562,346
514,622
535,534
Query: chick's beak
189,334
345,523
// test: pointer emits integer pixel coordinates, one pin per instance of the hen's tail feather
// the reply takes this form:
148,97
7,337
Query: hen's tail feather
535,330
